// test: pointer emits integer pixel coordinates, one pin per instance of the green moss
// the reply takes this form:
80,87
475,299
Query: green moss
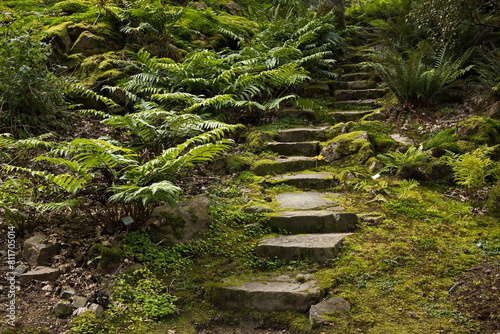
257,140
70,7
468,135
107,258
239,163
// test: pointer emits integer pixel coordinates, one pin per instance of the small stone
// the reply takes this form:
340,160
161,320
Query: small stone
67,292
97,309
40,274
20,269
66,267
79,311
318,312
38,251
48,287
63,309
78,301
257,209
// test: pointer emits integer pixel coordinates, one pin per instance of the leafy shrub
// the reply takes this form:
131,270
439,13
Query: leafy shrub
29,91
418,77
472,170
405,164
146,294
85,323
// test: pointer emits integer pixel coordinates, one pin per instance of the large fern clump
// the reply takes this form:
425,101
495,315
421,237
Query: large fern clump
421,76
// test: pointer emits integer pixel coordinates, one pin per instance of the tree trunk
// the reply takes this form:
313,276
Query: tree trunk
338,7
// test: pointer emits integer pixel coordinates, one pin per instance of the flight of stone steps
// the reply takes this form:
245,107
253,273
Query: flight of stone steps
313,220
355,93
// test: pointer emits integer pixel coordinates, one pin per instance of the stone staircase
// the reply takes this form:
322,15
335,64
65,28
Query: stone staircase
314,223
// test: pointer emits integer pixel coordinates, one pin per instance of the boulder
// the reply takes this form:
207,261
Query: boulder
97,309
352,146
63,309
107,259
180,224
40,274
89,44
318,314
39,250
78,301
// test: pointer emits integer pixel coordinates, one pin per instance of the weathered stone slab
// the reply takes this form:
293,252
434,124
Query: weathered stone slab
290,164
302,134
318,314
311,247
355,76
368,103
350,116
306,149
309,200
269,296
299,222
40,274
305,181
39,251
359,94
405,141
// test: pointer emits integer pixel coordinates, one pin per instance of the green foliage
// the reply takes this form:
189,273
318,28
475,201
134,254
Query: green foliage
463,23
85,323
405,164
149,23
146,294
489,69
29,91
472,170
418,77
155,256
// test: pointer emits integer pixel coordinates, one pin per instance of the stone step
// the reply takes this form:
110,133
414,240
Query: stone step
351,116
309,200
359,94
369,103
285,165
305,180
302,134
279,294
314,221
306,149
356,76
310,247
359,84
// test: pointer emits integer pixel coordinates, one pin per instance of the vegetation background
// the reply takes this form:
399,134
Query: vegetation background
111,108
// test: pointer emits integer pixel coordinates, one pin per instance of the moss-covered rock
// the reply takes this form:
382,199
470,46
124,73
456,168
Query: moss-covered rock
106,258
257,140
479,130
353,146
180,224
89,44
468,135
59,37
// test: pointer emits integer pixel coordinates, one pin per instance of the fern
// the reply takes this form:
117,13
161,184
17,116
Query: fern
405,164
163,191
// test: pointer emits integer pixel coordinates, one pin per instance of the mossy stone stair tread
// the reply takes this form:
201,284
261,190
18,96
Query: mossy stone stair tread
313,221
357,76
285,165
316,247
305,180
344,116
280,294
309,200
302,134
369,103
359,94
303,148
